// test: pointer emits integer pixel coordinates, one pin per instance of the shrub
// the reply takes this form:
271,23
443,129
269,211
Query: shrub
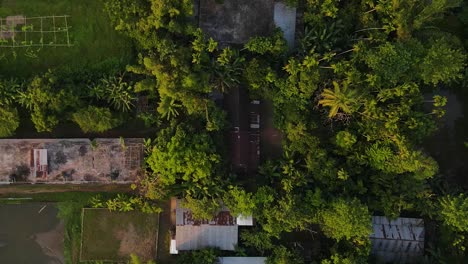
95,119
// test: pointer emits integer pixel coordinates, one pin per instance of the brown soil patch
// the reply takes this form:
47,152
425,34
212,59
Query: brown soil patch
132,243
51,243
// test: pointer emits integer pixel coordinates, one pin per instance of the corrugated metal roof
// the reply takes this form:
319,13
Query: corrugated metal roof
242,260
190,237
400,240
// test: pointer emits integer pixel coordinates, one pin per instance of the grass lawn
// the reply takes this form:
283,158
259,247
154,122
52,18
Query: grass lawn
113,236
96,45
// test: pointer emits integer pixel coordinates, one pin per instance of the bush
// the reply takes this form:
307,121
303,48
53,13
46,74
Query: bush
95,119
9,121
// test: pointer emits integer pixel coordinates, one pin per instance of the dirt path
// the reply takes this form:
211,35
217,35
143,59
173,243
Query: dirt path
31,189
51,243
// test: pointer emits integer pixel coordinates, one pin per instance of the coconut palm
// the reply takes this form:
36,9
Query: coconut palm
340,98
115,91
168,108
226,70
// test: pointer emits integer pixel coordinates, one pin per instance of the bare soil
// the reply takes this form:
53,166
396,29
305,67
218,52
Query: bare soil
51,243
132,243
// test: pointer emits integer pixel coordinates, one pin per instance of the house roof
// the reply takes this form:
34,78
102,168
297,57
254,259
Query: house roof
220,232
244,137
236,21
242,260
240,149
399,240
192,237
185,217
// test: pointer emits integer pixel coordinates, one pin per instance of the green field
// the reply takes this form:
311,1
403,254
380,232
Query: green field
96,45
113,236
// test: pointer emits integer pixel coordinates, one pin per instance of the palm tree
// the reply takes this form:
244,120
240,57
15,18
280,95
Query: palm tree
168,108
226,70
340,98
115,91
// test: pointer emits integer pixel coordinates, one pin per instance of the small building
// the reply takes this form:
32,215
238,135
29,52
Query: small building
397,241
194,234
236,21
242,260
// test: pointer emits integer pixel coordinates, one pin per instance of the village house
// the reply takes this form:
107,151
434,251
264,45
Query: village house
193,234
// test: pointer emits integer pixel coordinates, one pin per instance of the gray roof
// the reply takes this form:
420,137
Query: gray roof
242,260
400,240
221,231
236,21
191,237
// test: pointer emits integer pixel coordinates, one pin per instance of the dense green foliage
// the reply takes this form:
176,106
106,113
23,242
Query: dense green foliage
204,256
346,220
350,101
353,102
95,119
9,121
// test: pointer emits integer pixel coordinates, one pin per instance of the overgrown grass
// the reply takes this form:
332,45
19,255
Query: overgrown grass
96,45
115,235
70,205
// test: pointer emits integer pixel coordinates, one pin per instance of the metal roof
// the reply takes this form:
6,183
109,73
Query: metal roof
220,232
400,240
191,237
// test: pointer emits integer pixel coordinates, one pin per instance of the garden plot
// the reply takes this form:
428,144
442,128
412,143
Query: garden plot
113,236
74,36
21,31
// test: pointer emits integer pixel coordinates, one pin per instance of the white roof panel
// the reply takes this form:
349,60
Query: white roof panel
192,237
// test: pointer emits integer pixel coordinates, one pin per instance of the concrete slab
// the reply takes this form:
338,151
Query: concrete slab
72,160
